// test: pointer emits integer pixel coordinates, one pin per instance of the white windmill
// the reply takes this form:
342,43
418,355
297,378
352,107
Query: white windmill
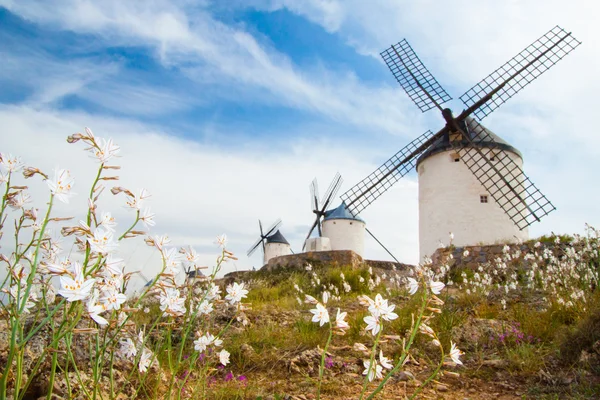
273,243
471,182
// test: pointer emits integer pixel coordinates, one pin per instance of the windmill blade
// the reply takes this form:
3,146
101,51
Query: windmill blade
332,191
314,195
502,178
262,236
509,79
423,89
272,228
379,181
255,246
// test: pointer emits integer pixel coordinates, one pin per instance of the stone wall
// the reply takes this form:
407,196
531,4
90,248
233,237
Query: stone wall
480,254
333,257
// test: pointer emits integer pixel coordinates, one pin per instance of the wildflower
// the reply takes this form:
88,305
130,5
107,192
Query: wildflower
94,311
108,221
147,218
308,267
112,299
224,357
235,293
61,185
19,200
321,315
373,371
466,253
339,320
221,241
213,292
360,347
426,330
373,324
365,300
105,150
172,261
205,307
436,287
135,202
455,353
171,303
325,297
128,348
384,361
436,343
145,360
413,286
76,288
102,242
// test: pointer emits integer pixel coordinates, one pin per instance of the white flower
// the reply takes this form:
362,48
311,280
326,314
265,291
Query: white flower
308,299
413,286
373,371
105,151
205,307
426,330
201,343
235,293
325,297
172,261
436,287
102,242
213,292
466,253
19,201
11,163
308,267
320,314
224,357
455,353
108,221
339,320
128,348
61,185
147,218
94,311
171,303
145,360
114,266
221,241
112,299
136,201
384,361
373,324
75,288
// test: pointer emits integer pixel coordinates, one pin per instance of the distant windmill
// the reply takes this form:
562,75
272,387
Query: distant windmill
320,208
454,197
272,241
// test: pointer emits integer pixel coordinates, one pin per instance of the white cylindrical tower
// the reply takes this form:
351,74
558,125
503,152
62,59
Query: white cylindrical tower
276,246
451,198
345,231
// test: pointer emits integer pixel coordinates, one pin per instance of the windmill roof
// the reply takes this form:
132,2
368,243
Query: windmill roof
277,237
340,212
481,139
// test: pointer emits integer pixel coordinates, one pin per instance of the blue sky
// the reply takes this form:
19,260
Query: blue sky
226,111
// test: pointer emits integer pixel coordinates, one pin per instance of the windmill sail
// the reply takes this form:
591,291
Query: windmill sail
320,208
423,89
519,71
379,181
501,176
263,236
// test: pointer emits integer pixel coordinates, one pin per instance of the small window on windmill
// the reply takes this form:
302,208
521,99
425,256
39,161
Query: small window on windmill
483,198
454,157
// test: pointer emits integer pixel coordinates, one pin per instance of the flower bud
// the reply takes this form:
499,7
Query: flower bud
74,137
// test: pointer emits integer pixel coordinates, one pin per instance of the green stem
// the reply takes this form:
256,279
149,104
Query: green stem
371,362
322,366
406,349
137,219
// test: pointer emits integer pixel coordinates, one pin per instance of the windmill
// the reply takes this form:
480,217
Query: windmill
272,241
491,163
320,208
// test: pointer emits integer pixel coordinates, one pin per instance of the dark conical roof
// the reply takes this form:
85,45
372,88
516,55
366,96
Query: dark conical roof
340,213
277,237
479,137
